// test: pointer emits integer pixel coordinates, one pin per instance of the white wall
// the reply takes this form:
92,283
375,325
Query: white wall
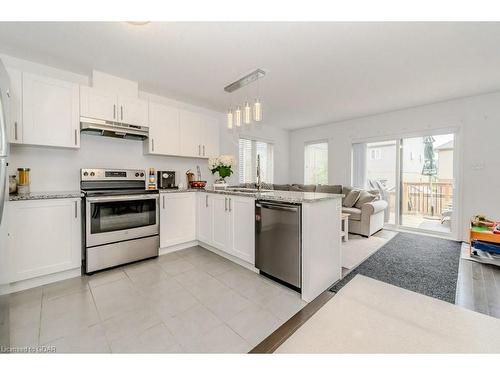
54,169
477,120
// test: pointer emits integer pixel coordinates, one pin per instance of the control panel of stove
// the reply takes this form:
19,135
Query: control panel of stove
87,174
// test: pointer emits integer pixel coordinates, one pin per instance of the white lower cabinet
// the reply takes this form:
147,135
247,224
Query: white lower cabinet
204,217
241,242
177,218
227,222
44,237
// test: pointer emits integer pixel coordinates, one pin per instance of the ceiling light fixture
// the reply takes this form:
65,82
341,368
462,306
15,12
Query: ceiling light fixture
236,116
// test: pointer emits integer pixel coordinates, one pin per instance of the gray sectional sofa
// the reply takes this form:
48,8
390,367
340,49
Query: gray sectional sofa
366,210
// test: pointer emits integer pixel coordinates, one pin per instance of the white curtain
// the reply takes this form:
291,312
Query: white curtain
359,165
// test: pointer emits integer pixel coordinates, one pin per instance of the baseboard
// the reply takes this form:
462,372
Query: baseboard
228,256
41,280
174,248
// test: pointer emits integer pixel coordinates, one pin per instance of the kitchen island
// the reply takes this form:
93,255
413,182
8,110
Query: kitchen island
225,223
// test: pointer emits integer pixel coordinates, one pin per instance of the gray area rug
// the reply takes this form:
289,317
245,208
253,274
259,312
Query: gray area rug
422,264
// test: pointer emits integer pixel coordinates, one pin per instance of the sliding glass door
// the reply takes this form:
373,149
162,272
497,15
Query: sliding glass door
415,176
427,180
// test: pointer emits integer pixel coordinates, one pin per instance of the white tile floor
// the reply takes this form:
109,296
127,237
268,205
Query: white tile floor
189,301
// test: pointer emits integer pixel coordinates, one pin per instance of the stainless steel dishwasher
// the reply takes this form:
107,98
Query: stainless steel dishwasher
278,241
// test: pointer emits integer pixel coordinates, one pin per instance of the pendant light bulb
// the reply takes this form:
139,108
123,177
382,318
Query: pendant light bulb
247,114
229,119
257,111
237,116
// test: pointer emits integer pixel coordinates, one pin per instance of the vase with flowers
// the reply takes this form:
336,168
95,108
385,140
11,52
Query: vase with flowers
223,166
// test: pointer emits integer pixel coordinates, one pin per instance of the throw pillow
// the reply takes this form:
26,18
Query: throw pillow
364,197
330,189
351,198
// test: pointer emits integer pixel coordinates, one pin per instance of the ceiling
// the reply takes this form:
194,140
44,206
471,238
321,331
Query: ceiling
317,73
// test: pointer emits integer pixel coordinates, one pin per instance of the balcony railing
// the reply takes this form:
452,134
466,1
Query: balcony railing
427,199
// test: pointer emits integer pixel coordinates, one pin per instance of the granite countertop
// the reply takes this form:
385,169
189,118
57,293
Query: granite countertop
46,195
279,195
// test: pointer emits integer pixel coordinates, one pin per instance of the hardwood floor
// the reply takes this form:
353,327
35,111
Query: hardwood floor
478,287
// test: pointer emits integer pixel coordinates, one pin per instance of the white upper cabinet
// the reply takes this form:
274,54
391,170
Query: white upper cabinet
209,136
108,106
16,112
199,135
98,104
164,136
50,112
133,111
190,134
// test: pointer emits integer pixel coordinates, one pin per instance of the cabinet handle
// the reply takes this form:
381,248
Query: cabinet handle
76,209
76,142
203,150
121,111
114,111
225,204
163,202
152,144
15,130
199,149
229,204
206,200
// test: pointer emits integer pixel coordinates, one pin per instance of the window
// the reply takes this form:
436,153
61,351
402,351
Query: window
248,151
375,154
316,163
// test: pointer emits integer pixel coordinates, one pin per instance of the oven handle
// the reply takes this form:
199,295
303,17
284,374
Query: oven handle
123,198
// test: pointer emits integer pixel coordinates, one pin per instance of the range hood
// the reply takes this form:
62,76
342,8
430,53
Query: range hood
113,129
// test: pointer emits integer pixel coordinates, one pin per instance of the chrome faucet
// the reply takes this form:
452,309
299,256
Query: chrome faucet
259,182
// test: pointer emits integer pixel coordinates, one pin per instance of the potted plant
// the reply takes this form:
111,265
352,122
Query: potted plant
223,166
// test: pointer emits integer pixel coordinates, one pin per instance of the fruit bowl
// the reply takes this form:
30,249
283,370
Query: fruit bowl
197,184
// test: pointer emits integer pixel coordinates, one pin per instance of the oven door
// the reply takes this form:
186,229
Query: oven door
120,218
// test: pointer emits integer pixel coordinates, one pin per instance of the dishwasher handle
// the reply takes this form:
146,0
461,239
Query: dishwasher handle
277,207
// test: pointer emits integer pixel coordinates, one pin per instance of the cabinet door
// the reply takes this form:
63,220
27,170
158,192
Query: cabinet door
177,218
204,217
133,111
50,112
44,237
98,104
242,228
219,221
209,136
164,134
190,134
16,115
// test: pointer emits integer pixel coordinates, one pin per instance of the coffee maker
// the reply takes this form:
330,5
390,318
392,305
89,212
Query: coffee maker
166,180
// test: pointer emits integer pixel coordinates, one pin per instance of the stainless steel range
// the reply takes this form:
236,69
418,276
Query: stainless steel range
121,218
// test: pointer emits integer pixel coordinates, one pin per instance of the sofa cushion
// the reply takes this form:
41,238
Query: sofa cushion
354,213
301,187
331,189
351,198
364,197
285,187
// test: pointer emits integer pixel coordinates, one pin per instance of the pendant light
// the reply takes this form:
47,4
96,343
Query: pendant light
257,111
237,116
247,114
230,119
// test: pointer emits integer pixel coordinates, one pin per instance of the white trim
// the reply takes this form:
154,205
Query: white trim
177,247
41,280
258,139
409,134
